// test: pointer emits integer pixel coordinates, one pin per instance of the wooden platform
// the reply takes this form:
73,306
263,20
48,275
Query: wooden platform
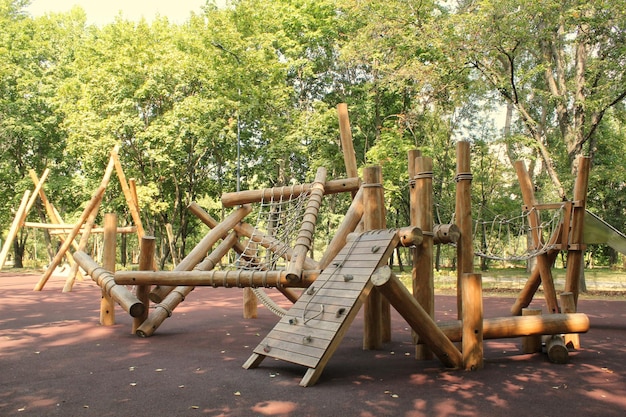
313,328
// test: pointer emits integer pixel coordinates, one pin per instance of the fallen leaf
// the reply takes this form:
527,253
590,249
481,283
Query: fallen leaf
133,384
237,393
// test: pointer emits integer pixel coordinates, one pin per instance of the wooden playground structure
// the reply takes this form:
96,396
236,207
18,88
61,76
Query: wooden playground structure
353,271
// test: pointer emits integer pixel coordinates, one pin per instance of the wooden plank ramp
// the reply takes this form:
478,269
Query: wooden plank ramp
313,328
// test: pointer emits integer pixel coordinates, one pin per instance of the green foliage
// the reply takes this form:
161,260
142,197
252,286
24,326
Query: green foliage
255,85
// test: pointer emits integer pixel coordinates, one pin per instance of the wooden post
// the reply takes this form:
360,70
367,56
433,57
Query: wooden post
576,249
423,280
146,263
107,305
95,201
531,344
106,281
419,320
465,248
347,144
543,265
250,301
15,226
568,306
170,241
374,218
199,252
472,322
304,239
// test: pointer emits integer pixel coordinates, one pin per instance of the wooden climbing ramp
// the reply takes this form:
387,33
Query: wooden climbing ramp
314,326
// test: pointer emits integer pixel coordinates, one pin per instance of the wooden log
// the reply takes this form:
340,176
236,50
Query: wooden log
170,241
164,309
348,225
106,281
95,201
14,228
128,195
518,326
472,343
528,195
63,228
423,284
347,145
256,196
146,263
203,276
53,215
34,194
568,306
525,297
576,251
445,234
410,236
465,248
202,248
373,219
304,240
556,350
206,218
107,304
88,224
420,351
531,344
419,320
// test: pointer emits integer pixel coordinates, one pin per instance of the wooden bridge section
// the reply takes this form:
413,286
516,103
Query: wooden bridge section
315,325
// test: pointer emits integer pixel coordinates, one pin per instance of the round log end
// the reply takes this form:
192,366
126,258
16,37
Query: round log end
557,351
137,309
381,276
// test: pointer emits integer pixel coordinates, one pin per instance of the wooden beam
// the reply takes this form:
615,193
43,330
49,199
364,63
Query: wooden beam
418,318
256,196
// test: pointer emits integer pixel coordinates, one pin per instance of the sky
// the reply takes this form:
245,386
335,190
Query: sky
101,12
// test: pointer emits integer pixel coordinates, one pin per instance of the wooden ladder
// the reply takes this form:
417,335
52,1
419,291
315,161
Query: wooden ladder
313,328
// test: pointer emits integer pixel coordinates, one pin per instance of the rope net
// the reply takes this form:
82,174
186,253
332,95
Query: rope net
511,239
278,221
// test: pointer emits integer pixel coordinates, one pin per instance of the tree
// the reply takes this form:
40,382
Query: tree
561,64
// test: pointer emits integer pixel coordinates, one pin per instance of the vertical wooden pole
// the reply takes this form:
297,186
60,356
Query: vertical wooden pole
531,344
568,306
15,226
146,263
472,321
465,248
576,248
107,305
423,284
543,262
250,301
373,218
345,133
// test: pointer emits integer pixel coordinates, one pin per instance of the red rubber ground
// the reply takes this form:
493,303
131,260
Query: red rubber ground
56,360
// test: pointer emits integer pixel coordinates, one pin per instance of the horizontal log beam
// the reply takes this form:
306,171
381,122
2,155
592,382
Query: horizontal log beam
256,196
518,326
233,278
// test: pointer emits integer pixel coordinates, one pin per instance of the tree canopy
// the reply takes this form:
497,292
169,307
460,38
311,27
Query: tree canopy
244,97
